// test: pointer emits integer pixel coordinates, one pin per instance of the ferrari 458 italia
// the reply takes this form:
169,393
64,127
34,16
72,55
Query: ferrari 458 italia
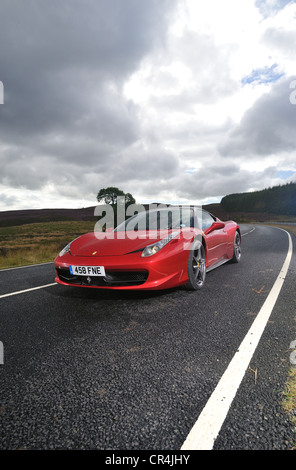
156,249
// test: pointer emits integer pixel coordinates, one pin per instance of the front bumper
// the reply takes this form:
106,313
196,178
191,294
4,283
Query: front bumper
126,272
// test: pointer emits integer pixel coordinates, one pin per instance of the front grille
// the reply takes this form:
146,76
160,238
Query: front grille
112,278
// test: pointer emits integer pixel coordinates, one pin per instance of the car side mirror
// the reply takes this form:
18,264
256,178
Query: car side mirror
215,226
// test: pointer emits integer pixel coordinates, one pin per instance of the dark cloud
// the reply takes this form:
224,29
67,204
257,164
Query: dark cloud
67,126
267,128
63,65
106,35
218,180
211,181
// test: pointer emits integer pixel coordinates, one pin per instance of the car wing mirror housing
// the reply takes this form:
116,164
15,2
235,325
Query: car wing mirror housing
215,226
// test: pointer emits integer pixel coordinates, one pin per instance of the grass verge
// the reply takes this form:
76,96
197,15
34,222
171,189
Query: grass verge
37,243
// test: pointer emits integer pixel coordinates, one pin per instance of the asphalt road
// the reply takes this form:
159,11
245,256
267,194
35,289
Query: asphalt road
110,370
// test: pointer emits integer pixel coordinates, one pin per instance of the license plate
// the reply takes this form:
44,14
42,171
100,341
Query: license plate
87,270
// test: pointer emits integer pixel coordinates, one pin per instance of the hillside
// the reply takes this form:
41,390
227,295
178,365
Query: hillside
20,217
270,204
279,200
30,216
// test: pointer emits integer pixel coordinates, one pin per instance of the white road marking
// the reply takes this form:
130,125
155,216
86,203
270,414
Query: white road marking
243,234
206,429
27,290
27,266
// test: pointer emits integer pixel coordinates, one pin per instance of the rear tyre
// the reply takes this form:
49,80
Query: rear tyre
237,252
196,267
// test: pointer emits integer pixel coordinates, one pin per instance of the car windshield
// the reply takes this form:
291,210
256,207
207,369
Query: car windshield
162,219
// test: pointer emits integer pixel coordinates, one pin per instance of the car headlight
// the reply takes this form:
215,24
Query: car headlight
65,250
155,247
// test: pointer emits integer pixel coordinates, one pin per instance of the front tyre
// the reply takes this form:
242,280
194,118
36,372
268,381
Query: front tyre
237,252
196,267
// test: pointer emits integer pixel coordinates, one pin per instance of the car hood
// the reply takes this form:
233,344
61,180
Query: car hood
98,244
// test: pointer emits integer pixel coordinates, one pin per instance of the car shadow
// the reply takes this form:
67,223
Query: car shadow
108,294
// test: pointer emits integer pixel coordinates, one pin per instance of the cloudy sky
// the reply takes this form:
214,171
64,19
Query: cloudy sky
170,100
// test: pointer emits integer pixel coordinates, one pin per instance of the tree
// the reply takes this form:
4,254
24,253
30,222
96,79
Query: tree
129,199
109,195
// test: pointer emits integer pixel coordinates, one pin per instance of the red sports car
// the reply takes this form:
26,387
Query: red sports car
156,249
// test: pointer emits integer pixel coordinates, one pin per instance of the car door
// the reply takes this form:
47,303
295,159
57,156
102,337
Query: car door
216,238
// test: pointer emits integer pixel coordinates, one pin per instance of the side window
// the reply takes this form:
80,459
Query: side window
207,220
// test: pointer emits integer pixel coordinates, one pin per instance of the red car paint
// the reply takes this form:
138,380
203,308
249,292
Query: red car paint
120,253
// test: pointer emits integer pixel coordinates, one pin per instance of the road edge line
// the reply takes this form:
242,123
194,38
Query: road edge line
207,427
